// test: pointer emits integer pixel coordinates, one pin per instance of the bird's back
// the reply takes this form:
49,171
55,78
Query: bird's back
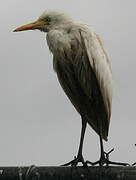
82,74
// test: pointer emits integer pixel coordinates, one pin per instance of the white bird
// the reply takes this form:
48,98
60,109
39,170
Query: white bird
84,72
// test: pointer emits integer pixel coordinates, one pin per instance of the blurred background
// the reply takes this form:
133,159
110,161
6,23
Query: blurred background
38,124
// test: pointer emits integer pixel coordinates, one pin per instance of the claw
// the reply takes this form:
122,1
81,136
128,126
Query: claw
108,153
75,161
104,160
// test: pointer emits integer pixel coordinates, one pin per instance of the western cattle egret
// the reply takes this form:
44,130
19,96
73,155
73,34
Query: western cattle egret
84,72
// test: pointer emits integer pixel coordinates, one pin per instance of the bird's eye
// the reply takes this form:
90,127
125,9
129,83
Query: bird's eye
48,19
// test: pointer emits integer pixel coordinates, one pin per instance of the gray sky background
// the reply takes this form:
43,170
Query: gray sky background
38,125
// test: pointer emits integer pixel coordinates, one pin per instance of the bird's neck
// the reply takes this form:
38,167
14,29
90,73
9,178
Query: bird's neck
58,37
62,26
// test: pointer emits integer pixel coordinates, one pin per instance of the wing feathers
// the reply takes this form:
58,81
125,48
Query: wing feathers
84,73
101,66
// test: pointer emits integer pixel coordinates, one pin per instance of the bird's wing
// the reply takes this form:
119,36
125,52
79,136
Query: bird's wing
100,65
84,73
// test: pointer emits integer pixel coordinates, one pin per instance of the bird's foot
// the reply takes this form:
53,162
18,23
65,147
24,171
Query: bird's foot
104,160
75,161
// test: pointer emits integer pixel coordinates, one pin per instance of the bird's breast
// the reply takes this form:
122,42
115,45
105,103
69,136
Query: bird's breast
58,41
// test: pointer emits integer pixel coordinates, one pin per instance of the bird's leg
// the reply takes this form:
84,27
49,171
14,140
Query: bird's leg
104,158
79,157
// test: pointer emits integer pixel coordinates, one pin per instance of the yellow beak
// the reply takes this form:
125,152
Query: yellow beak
34,25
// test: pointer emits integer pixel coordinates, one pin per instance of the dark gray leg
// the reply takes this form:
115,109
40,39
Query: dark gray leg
79,157
104,158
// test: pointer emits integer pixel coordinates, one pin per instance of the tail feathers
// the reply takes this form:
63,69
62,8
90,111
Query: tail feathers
105,138
103,130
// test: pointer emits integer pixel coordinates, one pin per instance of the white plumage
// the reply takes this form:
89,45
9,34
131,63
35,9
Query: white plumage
86,43
83,70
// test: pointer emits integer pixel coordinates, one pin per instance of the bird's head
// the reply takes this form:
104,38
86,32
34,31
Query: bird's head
47,21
